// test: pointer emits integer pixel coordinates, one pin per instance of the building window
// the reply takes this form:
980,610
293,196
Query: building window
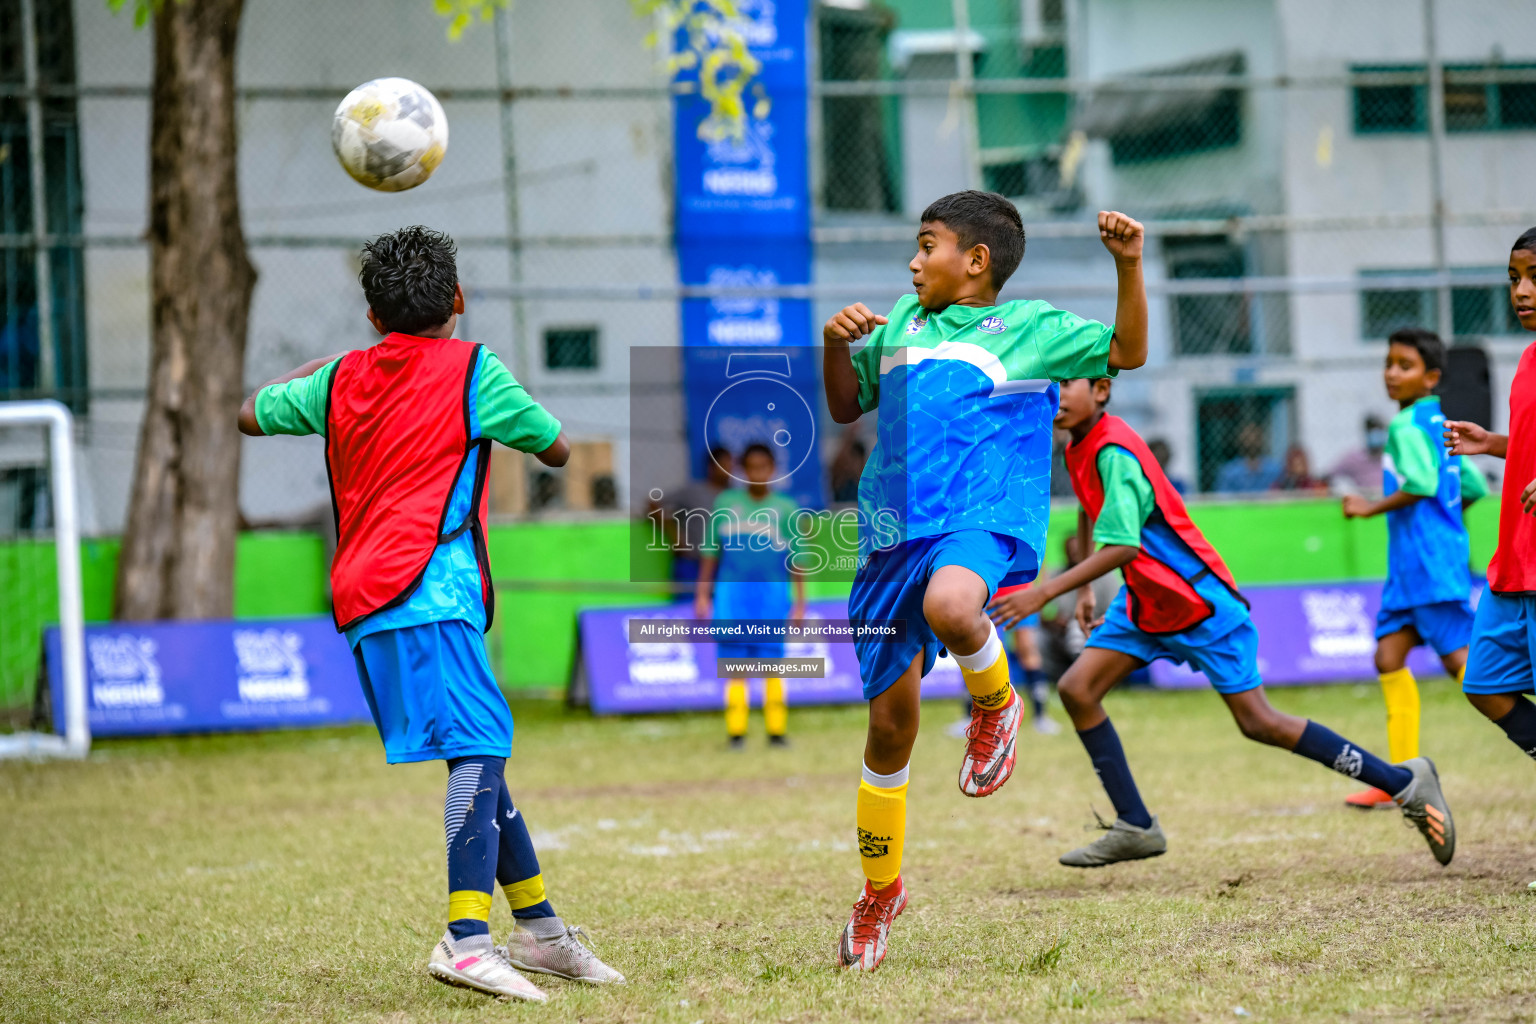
858,132
1208,324
21,360
1153,124
1243,436
1398,107
570,348
1471,105
1476,309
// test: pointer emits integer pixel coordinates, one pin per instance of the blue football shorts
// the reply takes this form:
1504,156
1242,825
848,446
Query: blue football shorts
1445,626
1230,662
432,693
1503,645
890,586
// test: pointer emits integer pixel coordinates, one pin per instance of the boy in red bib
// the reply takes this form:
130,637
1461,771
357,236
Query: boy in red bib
1178,602
408,426
1499,672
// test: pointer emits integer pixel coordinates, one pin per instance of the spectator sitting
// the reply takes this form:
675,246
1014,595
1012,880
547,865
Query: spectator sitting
1359,472
1162,452
1297,475
1253,470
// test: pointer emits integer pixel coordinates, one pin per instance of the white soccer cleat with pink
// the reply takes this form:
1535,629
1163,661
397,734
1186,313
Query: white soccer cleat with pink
991,748
484,969
563,954
861,947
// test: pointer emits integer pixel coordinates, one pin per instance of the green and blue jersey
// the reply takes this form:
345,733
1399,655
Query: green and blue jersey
963,439
1427,548
754,541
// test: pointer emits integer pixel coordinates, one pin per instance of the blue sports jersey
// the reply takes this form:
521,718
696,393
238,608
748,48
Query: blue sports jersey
1427,547
966,396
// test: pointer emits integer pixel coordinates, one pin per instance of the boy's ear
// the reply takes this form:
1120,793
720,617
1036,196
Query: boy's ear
1432,378
378,324
458,299
980,260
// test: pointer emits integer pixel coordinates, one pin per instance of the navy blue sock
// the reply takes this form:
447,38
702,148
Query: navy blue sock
1520,725
517,865
1108,757
469,822
1327,747
1034,685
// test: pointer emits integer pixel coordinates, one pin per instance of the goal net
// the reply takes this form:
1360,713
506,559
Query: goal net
40,585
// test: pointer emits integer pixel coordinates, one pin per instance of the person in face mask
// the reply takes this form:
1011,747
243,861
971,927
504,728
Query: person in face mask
1359,472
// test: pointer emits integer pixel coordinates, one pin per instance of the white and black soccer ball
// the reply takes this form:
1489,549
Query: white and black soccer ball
390,134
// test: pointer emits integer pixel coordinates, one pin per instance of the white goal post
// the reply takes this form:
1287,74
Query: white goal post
76,741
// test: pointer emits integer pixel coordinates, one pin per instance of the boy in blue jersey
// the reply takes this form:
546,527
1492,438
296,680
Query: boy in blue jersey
1179,602
746,568
1429,580
955,495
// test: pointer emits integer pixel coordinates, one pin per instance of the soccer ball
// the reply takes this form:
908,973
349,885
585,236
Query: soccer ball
390,134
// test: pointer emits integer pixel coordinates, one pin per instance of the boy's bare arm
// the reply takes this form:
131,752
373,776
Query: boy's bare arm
557,454
1123,237
1357,507
248,424
1464,438
838,376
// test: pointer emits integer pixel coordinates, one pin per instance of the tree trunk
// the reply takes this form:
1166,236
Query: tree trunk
178,556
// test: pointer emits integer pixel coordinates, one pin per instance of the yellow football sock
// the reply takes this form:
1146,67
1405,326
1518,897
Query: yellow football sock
775,708
1461,673
986,673
1402,696
882,825
736,707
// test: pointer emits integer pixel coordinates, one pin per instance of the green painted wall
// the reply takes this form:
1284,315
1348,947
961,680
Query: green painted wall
541,566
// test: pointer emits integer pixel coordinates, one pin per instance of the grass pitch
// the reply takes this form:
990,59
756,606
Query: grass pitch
295,877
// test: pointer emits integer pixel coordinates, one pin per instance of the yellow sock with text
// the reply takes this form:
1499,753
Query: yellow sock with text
986,673
1402,697
775,708
736,707
882,825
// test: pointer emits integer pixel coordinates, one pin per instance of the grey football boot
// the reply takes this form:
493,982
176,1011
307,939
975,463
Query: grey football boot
1121,841
1424,804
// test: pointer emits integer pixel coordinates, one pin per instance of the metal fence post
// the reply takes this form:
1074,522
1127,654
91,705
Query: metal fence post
46,362
1436,101
520,358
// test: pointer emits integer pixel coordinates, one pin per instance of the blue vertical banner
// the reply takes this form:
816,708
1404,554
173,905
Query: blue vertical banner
744,224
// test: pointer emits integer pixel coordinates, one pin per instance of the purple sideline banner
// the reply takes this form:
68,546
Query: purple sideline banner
1313,634
170,677
625,678
1307,635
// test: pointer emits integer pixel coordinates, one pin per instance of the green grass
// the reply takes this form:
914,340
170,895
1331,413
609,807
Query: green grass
295,877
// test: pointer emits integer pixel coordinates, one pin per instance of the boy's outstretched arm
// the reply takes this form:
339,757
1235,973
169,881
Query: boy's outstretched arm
1465,438
837,373
1357,507
557,454
1123,237
248,424
1021,604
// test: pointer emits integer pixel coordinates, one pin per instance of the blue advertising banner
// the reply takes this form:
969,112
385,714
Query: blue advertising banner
640,678
744,223
170,677
1307,635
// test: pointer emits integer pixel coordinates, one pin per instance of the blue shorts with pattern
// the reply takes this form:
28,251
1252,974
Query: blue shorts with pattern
890,586
1445,626
1231,662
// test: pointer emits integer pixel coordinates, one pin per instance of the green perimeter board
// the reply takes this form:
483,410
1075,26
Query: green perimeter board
537,565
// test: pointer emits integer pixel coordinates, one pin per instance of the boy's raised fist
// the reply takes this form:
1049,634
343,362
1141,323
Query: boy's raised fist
1121,235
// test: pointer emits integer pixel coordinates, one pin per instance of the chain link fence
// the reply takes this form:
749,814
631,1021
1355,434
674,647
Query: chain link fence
1309,181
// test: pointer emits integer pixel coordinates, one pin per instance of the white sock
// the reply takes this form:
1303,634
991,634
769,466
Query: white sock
983,659
891,781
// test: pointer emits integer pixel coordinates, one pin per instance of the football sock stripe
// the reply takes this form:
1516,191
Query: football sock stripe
1402,696
469,819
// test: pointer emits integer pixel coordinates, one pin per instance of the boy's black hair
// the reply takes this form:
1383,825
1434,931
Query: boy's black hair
408,277
1427,343
985,218
761,449
1526,241
717,451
